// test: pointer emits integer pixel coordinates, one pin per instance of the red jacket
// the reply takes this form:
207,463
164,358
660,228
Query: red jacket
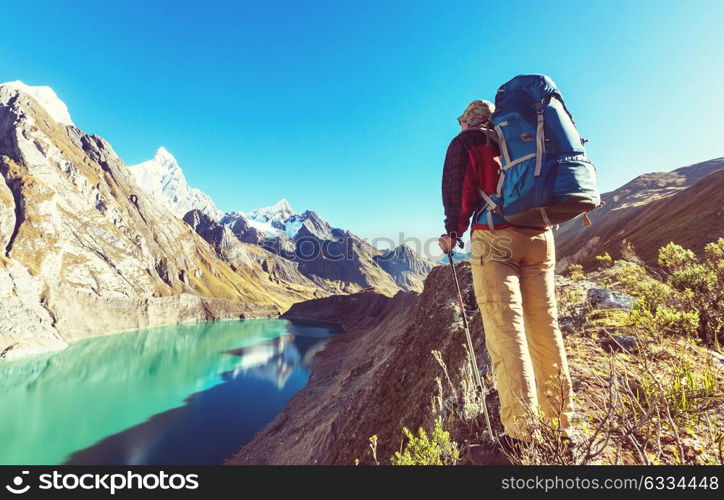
471,162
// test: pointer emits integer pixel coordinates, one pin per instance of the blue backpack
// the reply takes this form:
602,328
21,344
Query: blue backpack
545,178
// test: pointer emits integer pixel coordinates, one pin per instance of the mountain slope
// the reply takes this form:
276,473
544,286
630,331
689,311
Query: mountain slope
408,269
280,276
622,202
332,259
161,177
85,251
380,375
691,217
374,378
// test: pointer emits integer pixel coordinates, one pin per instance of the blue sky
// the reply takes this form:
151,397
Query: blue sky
347,107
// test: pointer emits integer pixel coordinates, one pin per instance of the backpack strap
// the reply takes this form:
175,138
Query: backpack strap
544,216
501,172
501,142
491,136
540,139
519,160
490,207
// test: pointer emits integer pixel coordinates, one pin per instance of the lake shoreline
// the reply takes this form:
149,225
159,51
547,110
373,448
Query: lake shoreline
235,376
306,431
175,310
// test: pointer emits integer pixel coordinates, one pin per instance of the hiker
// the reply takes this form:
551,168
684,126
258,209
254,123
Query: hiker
512,268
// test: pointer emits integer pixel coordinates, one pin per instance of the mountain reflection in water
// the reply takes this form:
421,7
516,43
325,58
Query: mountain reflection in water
275,360
186,394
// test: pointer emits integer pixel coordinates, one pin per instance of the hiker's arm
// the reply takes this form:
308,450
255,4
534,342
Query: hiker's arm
453,178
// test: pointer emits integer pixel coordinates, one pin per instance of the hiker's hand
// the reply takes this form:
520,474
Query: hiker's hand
446,244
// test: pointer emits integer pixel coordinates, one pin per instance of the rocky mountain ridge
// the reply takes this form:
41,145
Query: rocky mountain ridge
163,179
333,259
86,252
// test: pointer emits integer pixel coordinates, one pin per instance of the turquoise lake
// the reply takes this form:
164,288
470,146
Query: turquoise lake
183,394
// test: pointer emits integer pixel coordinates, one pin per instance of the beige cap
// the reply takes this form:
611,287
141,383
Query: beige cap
477,112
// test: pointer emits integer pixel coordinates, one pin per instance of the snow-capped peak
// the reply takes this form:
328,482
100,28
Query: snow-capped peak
163,179
165,158
280,211
276,219
46,97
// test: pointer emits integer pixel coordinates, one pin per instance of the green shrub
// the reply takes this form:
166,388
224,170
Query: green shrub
714,251
438,449
698,285
605,260
673,257
575,271
688,301
665,320
635,280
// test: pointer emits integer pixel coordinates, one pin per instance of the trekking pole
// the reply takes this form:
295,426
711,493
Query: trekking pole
473,361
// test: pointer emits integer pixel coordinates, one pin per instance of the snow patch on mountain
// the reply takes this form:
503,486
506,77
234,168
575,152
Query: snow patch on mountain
276,219
47,98
280,211
163,179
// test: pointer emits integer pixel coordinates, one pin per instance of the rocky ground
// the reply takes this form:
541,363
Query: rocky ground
374,378
380,375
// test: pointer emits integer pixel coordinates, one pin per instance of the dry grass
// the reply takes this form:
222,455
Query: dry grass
642,396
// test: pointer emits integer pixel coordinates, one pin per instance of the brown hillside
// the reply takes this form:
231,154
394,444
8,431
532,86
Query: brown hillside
640,191
374,378
690,217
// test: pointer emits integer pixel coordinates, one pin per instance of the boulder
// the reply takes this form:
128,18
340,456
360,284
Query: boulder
601,298
625,343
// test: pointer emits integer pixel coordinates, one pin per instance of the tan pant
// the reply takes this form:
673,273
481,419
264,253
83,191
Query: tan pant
513,278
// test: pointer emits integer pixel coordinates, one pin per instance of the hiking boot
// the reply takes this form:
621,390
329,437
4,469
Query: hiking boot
495,452
488,453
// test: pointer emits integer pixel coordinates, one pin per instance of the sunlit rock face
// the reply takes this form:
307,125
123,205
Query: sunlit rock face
84,250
